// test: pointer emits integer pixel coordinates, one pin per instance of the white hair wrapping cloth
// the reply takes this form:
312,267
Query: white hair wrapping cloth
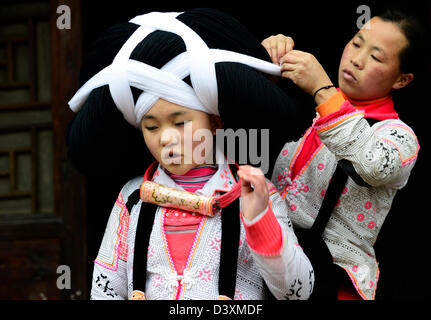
198,61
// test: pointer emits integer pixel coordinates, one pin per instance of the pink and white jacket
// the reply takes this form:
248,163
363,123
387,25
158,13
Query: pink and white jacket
379,159
268,251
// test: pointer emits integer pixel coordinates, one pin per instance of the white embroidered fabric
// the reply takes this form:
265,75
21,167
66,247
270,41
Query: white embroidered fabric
198,61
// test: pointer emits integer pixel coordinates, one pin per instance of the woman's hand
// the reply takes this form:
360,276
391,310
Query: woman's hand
277,46
304,70
253,200
299,66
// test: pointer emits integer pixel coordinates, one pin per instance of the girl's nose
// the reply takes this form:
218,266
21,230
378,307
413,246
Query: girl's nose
356,63
170,136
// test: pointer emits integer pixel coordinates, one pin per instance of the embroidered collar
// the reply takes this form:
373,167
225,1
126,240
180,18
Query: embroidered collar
380,109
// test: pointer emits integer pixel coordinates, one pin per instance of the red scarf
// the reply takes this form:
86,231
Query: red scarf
380,109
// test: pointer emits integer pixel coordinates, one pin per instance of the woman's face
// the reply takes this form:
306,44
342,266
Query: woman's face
179,138
370,64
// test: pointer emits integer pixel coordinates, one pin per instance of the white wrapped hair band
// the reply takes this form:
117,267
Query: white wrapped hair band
198,61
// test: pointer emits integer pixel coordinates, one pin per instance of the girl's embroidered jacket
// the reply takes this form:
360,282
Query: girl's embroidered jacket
378,159
268,251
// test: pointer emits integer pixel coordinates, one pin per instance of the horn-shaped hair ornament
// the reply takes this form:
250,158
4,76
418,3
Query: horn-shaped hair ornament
183,200
198,62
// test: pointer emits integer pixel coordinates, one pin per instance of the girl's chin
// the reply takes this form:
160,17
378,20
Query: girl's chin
178,169
350,92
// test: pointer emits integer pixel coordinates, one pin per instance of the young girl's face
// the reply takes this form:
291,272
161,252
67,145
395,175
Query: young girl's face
370,64
179,138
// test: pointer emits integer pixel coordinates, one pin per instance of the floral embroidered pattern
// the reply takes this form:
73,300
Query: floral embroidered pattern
388,163
283,180
294,290
205,275
238,295
103,283
150,252
158,281
399,137
215,243
294,188
228,179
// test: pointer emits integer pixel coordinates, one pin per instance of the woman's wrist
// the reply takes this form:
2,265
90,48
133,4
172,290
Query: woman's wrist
324,93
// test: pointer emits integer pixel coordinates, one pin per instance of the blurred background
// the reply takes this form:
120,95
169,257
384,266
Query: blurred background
52,216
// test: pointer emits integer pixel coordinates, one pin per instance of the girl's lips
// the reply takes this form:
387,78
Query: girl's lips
348,76
171,156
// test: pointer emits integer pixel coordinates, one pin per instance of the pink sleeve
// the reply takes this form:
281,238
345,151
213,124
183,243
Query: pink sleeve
264,236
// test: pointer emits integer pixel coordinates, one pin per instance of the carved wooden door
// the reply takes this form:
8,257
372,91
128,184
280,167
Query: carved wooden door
42,202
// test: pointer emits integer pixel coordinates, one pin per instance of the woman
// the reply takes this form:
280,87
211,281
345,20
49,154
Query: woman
358,130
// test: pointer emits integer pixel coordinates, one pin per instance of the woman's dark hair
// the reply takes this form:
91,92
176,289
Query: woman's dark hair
101,141
411,27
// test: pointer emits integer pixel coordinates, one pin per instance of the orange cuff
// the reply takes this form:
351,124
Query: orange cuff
331,105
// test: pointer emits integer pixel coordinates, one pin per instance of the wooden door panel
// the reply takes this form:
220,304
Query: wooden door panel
42,224
30,268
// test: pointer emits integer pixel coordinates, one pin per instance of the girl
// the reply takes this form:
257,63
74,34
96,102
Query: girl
152,251
357,128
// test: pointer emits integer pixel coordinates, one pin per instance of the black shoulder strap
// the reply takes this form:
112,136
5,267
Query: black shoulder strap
230,236
132,200
338,181
371,121
335,188
142,240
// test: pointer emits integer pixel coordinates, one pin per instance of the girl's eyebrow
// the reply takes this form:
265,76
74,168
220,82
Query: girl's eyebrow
171,115
359,35
177,113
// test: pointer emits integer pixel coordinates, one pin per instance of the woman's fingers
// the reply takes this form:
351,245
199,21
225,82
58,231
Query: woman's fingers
277,46
294,56
288,67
